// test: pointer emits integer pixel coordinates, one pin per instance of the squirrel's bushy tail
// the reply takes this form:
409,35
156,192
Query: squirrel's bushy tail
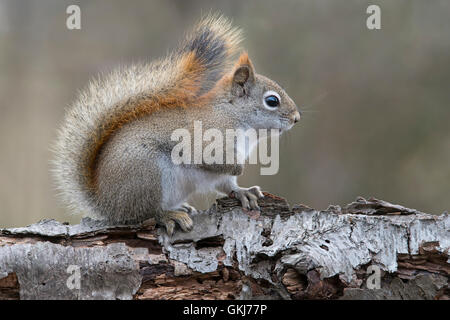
133,92
207,50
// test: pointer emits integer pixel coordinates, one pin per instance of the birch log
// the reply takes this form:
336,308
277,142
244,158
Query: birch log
369,249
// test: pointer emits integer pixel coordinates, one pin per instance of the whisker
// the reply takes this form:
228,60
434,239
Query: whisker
315,102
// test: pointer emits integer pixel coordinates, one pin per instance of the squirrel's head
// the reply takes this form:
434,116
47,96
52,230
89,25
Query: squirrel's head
260,102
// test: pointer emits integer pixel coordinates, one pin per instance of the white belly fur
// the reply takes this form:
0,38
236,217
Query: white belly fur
187,181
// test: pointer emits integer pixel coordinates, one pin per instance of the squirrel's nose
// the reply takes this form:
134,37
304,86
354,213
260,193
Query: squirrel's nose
297,117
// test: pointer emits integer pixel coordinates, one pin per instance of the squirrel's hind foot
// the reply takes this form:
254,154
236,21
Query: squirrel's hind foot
169,218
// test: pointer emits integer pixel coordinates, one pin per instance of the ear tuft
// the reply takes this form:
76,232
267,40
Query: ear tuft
244,59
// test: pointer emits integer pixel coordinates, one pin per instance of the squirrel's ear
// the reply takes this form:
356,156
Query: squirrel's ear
243,75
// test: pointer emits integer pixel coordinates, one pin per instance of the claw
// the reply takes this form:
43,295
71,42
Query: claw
249,197
181,218
186,207
170,226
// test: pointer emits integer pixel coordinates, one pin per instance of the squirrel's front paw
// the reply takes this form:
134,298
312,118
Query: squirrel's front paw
181,218
249,197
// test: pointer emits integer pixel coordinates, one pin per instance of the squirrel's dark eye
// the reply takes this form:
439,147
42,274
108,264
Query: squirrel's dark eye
271,100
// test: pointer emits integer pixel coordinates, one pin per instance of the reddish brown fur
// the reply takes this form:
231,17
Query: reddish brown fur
184,95
244,60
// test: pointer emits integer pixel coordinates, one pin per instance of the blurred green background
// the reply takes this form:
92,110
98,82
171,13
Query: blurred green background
376,103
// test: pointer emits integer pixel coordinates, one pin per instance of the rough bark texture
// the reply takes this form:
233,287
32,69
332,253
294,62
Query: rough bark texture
278,253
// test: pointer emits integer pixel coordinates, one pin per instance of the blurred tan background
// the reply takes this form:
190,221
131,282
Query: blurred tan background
376,103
